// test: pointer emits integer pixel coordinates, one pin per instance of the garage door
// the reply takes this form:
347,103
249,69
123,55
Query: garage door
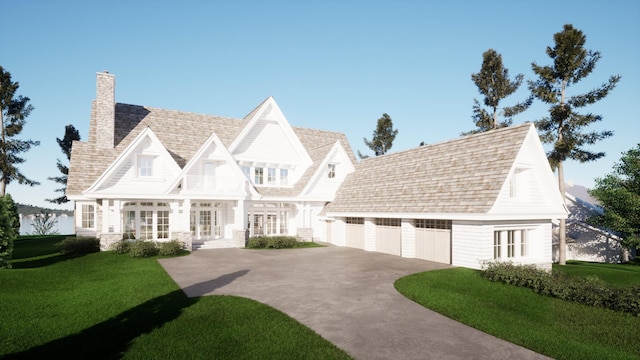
389,236
355,232
433,240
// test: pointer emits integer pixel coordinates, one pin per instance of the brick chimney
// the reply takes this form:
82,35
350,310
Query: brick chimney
105,109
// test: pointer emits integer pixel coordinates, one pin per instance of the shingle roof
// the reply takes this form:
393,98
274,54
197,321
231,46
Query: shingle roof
463,175
182,133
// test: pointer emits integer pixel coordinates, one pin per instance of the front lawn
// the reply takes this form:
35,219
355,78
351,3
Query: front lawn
105,305
546,325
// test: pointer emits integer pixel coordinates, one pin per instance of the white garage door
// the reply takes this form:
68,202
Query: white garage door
433,240
389,236
355,232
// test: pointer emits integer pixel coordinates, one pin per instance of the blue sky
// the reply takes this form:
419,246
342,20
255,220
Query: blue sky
335,65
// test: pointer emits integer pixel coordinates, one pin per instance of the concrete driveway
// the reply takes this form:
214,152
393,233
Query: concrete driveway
346,295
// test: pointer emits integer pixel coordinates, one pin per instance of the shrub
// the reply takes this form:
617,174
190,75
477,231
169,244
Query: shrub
9,229
79,245
170,248
590,291
142,249
121,247
272,242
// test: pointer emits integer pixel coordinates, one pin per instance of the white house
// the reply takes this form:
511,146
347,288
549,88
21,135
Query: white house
148,173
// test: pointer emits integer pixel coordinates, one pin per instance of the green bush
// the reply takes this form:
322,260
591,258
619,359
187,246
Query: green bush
272,242
79,245
142,249
121,247
171,248
587,291
9,229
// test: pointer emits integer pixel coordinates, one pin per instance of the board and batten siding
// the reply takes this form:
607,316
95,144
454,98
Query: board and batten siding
471,243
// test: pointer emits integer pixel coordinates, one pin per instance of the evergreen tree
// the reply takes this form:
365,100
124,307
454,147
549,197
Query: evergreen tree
493,82
9,229
564,127
619,195
70,135
383,137
13,112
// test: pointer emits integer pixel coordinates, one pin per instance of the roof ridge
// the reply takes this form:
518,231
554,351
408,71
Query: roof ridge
460,138
180,111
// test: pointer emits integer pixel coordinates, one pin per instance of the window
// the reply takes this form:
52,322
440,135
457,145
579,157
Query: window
331,171
433,224
129,224
259,176
283,222
387,222
496,245
88,216
271,176
511,244
162,227
146,225
523,243
145,166
247,171
284,176
355,220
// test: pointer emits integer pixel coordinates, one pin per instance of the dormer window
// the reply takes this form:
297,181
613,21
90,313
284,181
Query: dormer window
271,176
145,165
284,176
331,171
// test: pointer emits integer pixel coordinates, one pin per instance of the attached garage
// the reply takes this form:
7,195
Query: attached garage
433,240
389,236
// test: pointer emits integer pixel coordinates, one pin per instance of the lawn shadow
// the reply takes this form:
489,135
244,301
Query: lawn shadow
45,261
206,287
111,338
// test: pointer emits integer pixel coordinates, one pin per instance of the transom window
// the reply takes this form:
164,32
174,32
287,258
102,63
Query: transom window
355,220
433,224
387,222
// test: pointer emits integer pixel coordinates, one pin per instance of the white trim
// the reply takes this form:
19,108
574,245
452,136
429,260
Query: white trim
452,216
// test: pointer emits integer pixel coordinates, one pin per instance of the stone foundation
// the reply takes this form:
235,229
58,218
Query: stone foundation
305,234
240,237
184,237
108,239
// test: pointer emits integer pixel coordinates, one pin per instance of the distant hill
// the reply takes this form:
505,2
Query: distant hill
30,210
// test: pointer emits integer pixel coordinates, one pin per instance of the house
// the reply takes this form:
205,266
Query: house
585,241
464,201
155,174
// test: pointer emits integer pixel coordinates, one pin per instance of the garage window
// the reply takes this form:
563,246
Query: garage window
387,222
433,224
355,220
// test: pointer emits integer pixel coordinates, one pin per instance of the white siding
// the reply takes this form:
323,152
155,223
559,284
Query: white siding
370,234
471,243
267,142
408,239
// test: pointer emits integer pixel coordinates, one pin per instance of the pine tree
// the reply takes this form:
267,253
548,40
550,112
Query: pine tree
382,138
564,127
70,135
493,82
13,112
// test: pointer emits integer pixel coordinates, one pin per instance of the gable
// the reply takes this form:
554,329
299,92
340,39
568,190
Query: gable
144,167
530,187
212,171
268,138
330,174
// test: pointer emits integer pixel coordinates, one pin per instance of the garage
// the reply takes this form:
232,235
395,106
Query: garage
355,232
433,240
389,236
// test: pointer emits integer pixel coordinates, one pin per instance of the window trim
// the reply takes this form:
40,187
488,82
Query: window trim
141,160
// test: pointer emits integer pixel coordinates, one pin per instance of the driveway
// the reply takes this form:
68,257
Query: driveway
345,295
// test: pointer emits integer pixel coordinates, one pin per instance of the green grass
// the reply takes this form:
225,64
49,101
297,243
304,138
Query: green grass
105,305
615,274
546,325
308,244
